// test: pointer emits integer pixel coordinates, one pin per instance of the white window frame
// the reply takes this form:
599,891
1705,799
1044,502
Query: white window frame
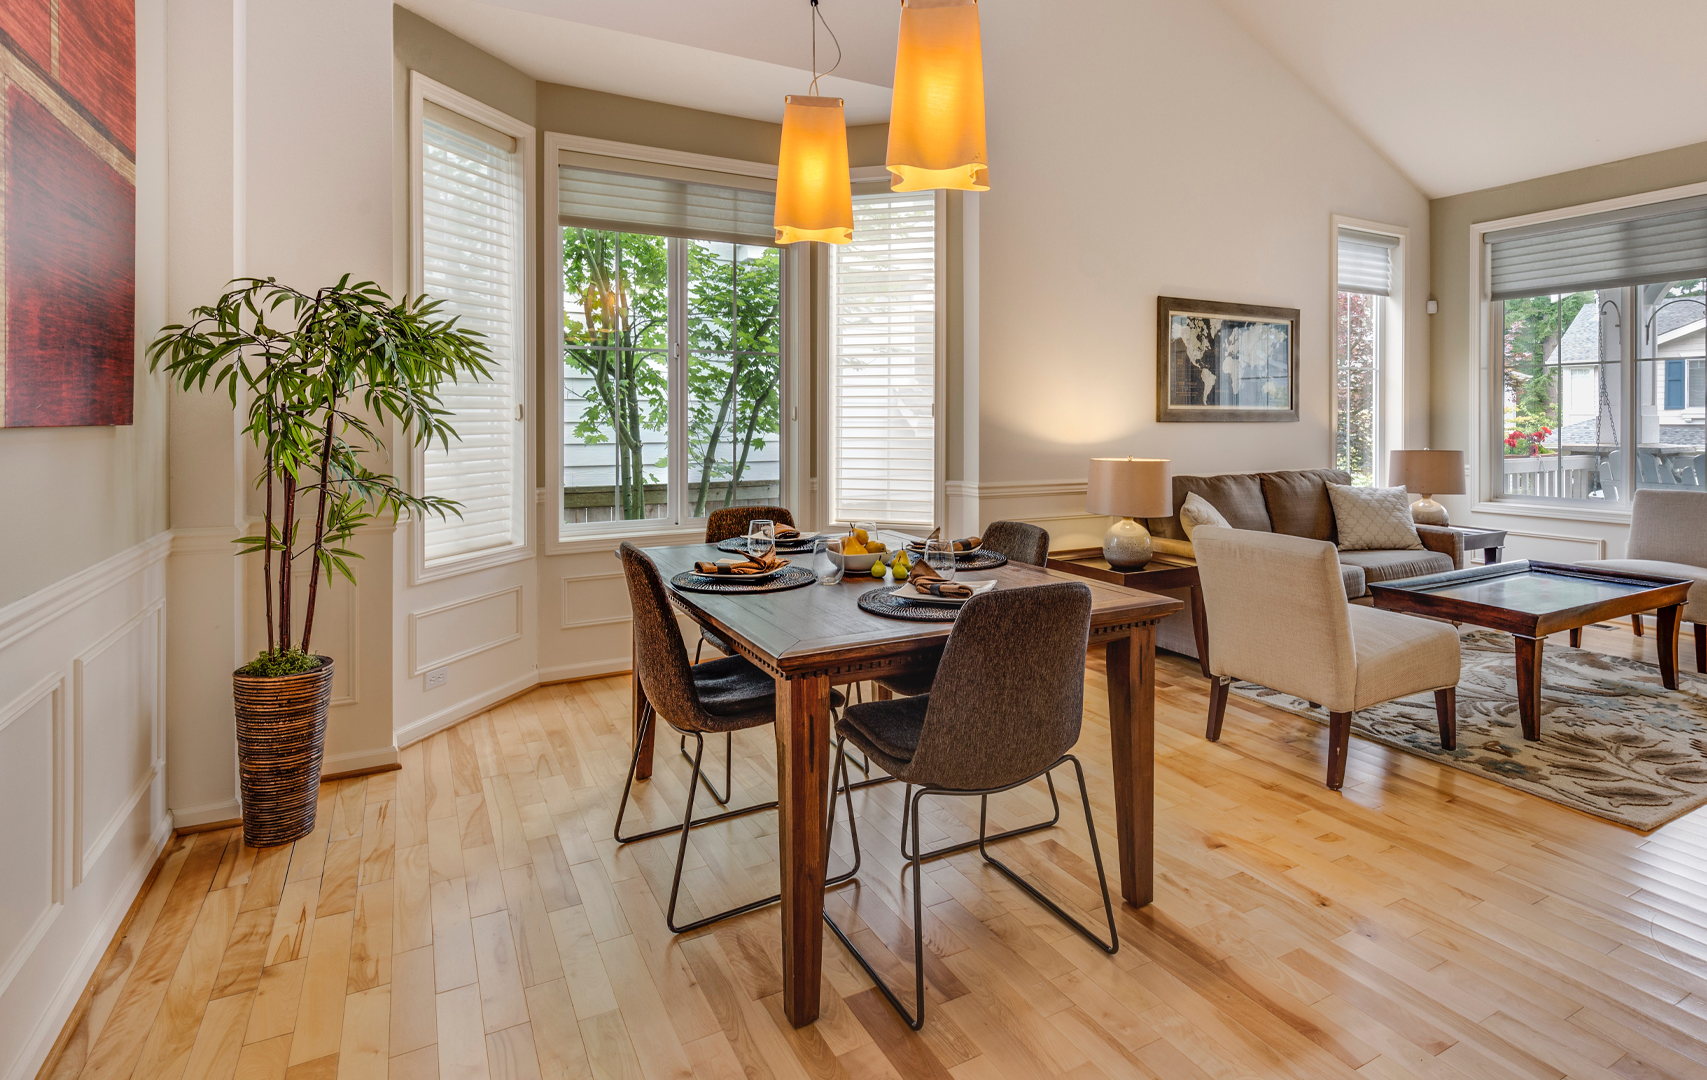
561,539
423,89
1487,352
825,350
1390,366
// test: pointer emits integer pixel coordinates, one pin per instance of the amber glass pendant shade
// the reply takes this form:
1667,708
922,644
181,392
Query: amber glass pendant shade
936,114
814,198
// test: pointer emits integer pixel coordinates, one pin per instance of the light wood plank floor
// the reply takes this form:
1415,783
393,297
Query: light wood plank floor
470,917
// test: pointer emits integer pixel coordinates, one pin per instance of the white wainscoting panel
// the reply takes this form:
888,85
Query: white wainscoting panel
82,784
1056,505
1550,547
457,631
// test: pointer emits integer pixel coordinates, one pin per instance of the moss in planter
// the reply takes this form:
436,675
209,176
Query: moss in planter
279,664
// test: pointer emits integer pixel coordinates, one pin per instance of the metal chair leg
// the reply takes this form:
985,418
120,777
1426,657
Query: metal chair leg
984,804
728,768
647,716
916,1019
682,853
1112,945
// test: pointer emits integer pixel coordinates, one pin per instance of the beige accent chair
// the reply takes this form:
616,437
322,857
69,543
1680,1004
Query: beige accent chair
1668,536
1278,617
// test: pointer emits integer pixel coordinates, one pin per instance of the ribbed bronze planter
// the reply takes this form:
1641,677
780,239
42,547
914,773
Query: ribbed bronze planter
281,737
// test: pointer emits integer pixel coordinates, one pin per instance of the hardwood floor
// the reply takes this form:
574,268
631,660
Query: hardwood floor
470,917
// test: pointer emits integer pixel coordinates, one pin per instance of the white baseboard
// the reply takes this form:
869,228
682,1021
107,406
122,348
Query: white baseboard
46,1032
191,816
361,759
590,669
462,710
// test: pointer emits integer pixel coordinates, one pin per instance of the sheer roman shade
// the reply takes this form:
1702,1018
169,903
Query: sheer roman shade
1658,242
664,206
883,357
471,258
1366,262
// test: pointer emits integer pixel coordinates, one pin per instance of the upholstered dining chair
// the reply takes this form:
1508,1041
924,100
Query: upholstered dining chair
1021,542
724,696
1278,617
997,717
1668,536
726,523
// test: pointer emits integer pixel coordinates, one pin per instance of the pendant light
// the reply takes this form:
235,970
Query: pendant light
814,193
936,114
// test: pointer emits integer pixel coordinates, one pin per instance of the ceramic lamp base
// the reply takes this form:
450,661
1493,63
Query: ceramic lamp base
1425,511
1126,545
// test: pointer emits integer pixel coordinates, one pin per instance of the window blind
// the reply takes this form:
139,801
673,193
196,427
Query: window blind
471,252
663,206
1658,242
883,385
1365,263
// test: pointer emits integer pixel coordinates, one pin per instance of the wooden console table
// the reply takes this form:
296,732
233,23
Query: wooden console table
1161,572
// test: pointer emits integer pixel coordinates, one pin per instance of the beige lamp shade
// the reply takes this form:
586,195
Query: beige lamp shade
1427,472
1130,487
936,113
814,195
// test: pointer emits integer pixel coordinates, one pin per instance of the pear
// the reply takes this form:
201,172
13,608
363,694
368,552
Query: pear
877,570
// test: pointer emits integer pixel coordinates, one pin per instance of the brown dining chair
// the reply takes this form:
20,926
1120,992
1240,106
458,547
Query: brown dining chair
726,523
996,718
720,696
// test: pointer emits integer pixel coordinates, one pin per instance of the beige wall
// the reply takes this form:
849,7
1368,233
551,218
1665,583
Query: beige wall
1452,408
1145,149
76,496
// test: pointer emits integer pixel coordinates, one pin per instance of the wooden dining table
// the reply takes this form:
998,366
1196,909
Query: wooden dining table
814,637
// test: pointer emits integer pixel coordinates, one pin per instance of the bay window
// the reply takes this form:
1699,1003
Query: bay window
673,301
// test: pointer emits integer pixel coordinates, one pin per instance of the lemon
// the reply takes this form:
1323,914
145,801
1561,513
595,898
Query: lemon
861,535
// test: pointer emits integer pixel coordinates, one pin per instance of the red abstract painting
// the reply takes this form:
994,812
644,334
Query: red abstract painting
68,220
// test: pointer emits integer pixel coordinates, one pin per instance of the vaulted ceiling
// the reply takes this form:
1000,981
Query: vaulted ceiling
1458,94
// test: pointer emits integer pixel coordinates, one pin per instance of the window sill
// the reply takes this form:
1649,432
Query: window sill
468,564
596,543
1562,511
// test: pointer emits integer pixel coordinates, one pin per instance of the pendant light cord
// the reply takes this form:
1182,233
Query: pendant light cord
818,17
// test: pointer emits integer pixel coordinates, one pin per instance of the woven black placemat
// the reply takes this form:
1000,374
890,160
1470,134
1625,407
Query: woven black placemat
969,560
737,545
791,577
884,602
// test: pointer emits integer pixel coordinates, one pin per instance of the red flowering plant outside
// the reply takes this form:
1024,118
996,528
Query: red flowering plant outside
1528,443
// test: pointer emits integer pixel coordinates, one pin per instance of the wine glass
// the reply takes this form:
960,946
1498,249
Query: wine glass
824,565
761,538
939,556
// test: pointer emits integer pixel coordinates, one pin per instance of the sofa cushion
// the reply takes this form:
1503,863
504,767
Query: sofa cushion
1392,565
1196,512
1237,495
1373,519
1298,503
1356,584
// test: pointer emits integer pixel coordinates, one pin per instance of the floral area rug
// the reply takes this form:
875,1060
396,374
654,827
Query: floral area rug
1614,741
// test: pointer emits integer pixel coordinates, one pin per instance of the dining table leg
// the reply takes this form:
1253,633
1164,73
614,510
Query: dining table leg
803,779
642,760
1132,744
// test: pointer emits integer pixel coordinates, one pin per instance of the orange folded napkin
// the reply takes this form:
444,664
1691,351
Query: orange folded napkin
786,532
969,544
927,580
740,567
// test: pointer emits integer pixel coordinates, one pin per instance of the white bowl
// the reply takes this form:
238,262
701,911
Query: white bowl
857,564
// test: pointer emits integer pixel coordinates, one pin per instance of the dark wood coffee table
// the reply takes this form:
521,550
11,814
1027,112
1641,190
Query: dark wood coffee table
1161,572
1530,600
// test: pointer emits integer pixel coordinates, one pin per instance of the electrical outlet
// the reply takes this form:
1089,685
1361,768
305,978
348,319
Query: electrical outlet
437,677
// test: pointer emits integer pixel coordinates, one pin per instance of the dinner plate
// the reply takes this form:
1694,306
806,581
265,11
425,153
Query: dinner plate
910,592
919,549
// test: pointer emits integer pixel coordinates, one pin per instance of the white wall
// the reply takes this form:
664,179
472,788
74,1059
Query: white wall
1142,149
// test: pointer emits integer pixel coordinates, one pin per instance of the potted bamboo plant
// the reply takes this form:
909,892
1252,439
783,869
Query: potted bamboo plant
320,375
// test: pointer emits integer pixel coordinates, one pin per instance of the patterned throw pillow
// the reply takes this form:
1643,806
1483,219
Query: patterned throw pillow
1373,519
1198,511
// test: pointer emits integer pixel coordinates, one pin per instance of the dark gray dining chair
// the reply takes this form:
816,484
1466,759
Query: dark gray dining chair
1005,709
724,696
726,523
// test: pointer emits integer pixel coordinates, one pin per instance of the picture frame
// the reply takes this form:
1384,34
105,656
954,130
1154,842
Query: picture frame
1225,363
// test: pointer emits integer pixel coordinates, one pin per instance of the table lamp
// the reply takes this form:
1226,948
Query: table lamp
1128,488
1429,473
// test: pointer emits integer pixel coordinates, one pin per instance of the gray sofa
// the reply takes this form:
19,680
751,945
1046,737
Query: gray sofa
1295,503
